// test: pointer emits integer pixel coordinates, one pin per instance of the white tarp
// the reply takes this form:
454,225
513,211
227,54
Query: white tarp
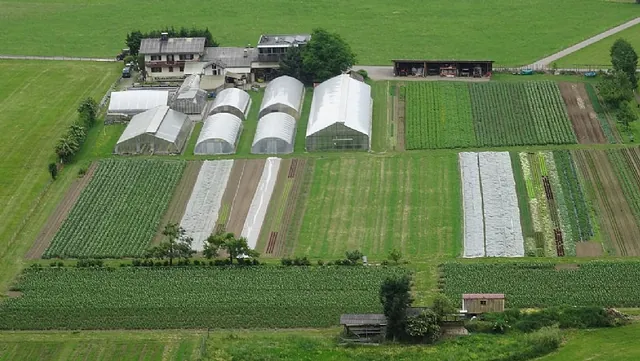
260,202
472,206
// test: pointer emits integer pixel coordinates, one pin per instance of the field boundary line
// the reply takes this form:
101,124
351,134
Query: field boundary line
58,58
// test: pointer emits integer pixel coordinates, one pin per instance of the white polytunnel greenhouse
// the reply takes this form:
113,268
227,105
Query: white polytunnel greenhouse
340,115
219,134
275,134
232,100
283,94
125,104
189,99
157,131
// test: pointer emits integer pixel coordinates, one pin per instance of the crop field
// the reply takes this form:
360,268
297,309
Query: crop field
93,33
584,119
598,53
531,284
100,346
378,204
611,181
459,115
191,297
119,212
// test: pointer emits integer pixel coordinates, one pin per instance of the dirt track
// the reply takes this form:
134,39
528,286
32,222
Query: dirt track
583,118
241,187
60,214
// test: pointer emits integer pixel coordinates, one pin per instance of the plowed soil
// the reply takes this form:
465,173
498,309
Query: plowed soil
583,118
60,214
241,187
399,117
588,249
180,198
617,222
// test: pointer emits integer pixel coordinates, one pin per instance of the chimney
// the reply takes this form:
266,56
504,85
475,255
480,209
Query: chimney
246,53
276,39
164,36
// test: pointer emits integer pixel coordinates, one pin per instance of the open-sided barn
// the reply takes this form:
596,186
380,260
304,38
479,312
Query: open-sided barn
189,99
283,94
219,134
157,131
275,134
232,100
125,104
340,115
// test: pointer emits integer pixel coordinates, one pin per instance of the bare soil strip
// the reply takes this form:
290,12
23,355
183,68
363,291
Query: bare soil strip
245,189
297,177
588,249
269,234
181,195
60,214
399,117
583,118
229,194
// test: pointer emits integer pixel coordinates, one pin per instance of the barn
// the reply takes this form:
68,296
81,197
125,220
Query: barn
275,134
219,134
283,94
125,104
443,68
232,100
189,98
157,131
476,303
340,117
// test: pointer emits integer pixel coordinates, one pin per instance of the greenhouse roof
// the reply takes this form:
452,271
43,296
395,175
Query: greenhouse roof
190,88
161,122
223,126
137,100
341,99
283,90
276,125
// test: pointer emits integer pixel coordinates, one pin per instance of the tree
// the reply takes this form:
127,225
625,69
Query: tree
615,88
395,256
53,170
625,59
291,64
625,114
424,327
395,297
66,148
234,247
133,41
354,256
88,111
177,245
442,306
326,55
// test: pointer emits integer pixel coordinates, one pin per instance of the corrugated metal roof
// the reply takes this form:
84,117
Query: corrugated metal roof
485,296
172,46
341,99
137,100
276,125
223,126
161,122
283,90
270,40
363,319
231,57
232,97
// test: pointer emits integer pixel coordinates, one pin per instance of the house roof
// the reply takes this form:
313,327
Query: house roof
231,57
363,319
282,40
482,296
172,46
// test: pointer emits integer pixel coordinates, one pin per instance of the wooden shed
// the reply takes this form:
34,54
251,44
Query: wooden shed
476,303
364,327
443,68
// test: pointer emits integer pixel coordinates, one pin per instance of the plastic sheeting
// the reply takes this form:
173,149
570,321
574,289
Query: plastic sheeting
136,101
219,134
232,100
283,94
159,130
190,99
275,134
340,115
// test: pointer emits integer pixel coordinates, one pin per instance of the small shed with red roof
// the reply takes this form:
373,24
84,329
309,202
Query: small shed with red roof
476,303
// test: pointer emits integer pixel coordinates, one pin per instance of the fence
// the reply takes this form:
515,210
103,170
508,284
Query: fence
549,68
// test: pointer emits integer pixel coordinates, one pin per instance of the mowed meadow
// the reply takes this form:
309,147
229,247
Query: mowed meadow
473,29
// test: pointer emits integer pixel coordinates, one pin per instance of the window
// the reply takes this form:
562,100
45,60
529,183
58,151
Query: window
155,57
483,303
169,57
156,70
182,69
170,69
186,56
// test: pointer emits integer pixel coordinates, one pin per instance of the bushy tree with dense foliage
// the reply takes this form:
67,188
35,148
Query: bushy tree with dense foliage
625,59
228,242
395,296
424,328
615,88
177,245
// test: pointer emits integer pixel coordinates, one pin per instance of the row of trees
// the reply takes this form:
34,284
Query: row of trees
135,37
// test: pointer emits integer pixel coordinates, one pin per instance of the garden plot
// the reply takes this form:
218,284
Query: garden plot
241,188
258,208
489,185
200,217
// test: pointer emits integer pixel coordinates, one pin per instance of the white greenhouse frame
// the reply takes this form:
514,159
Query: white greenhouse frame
190,99
275,134
232,100
219,135
283,94
126,104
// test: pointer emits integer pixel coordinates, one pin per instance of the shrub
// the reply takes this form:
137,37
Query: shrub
320,262
478,326
286,261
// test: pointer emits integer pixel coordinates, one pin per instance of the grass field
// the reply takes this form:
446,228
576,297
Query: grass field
100,346
37,102
598,53
43,28
378,204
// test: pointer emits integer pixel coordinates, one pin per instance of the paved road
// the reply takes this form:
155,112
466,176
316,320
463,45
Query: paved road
542,63
67,58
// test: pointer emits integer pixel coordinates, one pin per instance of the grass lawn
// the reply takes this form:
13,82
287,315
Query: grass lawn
376,204
598,53
100,346
503,30
37,102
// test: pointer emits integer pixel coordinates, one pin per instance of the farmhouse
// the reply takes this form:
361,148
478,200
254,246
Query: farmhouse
232,100
165,58
443,68
476,303
125,104
157,131
219,134
275,134
283,94
189,99
340,115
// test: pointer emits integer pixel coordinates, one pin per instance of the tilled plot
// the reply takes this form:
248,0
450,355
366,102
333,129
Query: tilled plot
583,118
60,214
241,188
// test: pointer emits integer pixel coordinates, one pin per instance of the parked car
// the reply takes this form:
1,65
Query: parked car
126,72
